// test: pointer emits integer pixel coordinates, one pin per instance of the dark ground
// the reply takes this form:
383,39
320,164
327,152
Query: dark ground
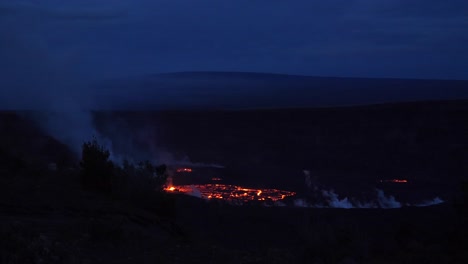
46,218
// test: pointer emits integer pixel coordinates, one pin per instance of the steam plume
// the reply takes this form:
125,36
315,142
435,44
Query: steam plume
324,198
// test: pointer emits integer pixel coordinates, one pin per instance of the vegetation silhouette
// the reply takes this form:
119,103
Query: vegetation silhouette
96,170
141,183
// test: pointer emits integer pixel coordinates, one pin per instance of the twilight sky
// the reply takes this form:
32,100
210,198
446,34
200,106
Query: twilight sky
116,38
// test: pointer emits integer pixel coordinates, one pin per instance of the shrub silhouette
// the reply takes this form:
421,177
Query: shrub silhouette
96,170
142,182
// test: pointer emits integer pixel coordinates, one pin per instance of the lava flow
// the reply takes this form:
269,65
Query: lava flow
184,170
395,181
231,192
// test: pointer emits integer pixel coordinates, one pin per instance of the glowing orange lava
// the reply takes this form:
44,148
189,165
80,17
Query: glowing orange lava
184,170
395,181
232,192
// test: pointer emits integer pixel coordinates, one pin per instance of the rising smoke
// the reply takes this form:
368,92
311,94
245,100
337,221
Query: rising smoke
323,198
332,200
35,78
46,82
434,201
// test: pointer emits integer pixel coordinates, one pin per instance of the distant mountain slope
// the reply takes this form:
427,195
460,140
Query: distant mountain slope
236,90
22,140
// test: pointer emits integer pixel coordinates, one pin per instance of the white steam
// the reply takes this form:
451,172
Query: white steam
195,192
332,200
39,75
434,201
324,198
387,202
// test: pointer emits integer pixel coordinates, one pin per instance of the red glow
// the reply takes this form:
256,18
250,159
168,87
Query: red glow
395,181
232,192
184,170
216,179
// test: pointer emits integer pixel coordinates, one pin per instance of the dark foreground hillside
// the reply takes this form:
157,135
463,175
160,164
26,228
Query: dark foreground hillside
79,227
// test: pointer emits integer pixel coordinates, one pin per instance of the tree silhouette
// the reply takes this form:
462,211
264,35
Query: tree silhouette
96,168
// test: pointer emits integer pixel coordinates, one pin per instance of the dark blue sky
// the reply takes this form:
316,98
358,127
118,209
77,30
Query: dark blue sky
358,38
